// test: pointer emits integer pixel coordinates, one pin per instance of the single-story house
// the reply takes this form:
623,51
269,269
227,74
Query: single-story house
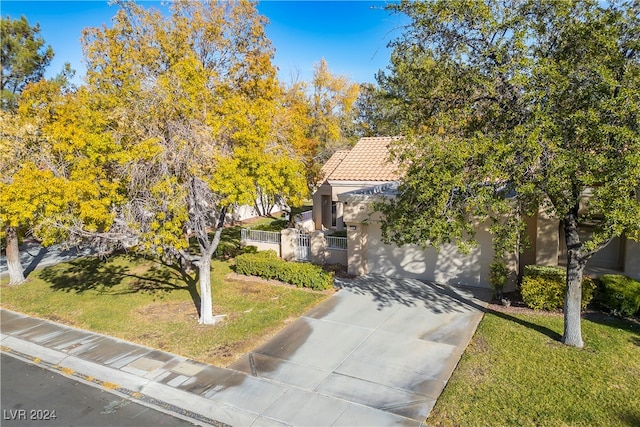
365,165
356,178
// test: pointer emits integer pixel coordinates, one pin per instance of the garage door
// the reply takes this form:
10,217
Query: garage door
447,266
609,257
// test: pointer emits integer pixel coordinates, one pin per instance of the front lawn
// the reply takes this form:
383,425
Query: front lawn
151,304
515,372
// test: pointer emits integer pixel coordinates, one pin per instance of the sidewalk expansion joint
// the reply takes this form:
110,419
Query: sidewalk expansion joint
134,395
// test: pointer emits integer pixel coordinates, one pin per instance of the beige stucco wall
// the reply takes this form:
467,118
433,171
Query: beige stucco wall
357,246
262,246
331,192
307,226
358,211
288,244
549,248
368,254
336,256
632,259
323,190
321,254
317,244
547,242
610,257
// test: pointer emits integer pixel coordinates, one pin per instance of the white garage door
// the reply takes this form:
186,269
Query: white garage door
448,266
611,256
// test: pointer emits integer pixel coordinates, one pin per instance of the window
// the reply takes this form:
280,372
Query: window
334,213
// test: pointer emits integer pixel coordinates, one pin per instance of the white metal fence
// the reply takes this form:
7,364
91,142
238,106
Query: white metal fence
249,235
339,243
293,244
303,247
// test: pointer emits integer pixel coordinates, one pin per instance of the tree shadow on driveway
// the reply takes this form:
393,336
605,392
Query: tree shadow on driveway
387,291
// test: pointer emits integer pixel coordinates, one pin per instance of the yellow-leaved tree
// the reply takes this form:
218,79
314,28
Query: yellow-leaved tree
322,116
24,59
58,166
194,99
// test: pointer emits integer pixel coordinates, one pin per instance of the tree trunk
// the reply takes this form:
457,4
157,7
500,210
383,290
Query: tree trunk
206,304
186,266
207,249
259,207
573,294
16,275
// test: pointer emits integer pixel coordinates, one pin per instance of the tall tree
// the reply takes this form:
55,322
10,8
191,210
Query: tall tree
511,107
55,157
374,112
332,105
320,117
24,58
333,114
194,95
13,139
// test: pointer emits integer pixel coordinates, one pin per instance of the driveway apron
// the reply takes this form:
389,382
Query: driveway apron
385,343
377,352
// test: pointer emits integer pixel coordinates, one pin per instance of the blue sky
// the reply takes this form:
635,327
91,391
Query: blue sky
352,36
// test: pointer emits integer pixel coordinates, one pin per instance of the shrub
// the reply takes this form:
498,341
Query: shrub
543,287
250,249
269,253
621,294
498,275
268,266
226,250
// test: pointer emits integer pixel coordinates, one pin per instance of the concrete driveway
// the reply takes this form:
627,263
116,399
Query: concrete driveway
385,343
377,353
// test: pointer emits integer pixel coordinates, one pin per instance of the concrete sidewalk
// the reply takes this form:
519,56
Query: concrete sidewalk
33,256
378,352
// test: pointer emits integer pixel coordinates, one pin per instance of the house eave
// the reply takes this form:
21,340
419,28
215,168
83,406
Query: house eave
356,183
371,193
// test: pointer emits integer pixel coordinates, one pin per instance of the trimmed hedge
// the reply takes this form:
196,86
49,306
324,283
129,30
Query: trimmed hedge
621,294
267,265
543,287
250,249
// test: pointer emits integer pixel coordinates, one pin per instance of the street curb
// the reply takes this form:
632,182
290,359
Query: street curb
135,396
190,403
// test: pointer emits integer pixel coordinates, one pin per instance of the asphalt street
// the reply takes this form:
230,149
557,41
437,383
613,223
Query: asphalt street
34,396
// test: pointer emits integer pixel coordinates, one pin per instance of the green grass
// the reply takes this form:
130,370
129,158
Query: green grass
230,239
516,373
152,304
307,205
274,225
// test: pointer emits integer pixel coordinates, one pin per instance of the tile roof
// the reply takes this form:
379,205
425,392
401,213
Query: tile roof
368,160
333,163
